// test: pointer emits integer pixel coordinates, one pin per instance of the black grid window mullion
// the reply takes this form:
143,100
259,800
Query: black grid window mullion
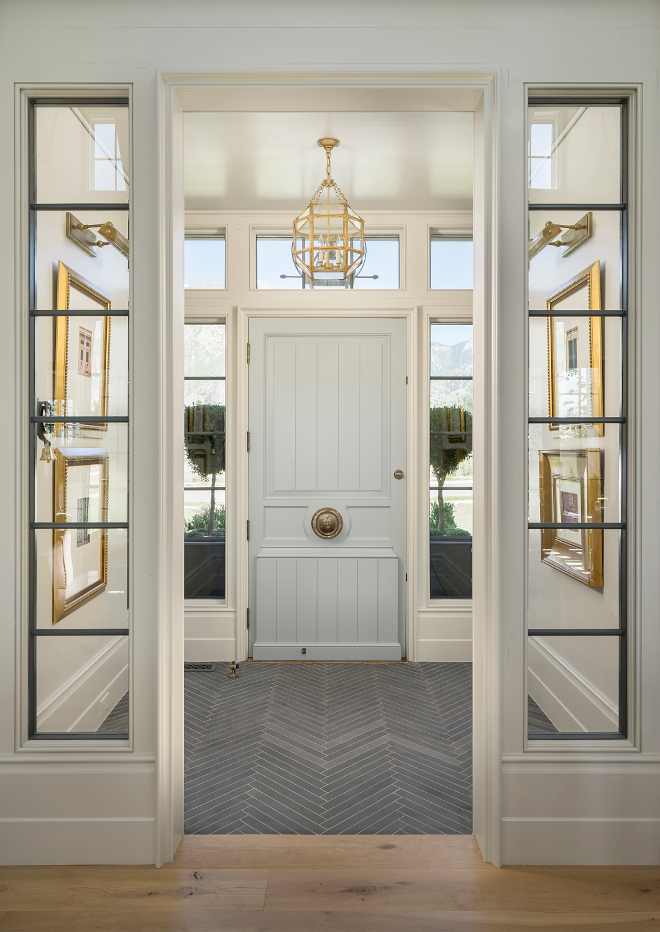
33,314
622,421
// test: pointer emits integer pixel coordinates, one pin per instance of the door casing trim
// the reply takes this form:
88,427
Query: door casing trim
487,743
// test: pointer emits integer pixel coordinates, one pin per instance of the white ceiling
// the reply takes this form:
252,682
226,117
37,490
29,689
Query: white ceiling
386,160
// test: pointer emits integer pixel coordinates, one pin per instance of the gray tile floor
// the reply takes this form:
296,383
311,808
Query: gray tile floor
537,721
116,721
330,748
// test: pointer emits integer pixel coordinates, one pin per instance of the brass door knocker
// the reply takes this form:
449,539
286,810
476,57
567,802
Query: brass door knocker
327,523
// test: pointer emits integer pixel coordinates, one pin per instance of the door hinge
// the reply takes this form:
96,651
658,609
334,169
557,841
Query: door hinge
248,529
248,619
406,380
248,441
406,577
248,354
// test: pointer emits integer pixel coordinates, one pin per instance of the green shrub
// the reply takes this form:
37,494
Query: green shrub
198,525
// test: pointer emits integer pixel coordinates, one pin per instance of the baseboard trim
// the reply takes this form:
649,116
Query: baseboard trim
78,841
596,841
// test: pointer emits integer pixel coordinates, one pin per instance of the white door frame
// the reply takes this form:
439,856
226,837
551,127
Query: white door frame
486,596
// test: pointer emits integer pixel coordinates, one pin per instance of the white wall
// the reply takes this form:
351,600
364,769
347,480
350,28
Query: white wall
558,805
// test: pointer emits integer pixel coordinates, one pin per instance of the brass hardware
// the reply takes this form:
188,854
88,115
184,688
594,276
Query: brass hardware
248,441
248,354
81,234
234,668
327,523
248,530
576,234
304,650
328,236
398,473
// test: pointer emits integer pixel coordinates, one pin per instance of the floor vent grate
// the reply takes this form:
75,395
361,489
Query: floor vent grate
206,666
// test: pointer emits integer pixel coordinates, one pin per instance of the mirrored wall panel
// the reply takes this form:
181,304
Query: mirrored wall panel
78,658
578,429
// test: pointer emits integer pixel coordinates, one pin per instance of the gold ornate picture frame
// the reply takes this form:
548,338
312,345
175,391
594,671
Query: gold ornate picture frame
571,491
575,351
80,555
82,350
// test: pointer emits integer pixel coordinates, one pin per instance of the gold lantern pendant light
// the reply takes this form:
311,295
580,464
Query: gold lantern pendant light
328,236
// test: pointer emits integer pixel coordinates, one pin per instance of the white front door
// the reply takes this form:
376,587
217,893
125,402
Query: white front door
327,435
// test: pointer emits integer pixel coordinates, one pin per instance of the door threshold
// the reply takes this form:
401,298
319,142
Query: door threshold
252,660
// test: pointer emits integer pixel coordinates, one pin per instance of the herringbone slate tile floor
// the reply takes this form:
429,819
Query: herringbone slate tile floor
330,749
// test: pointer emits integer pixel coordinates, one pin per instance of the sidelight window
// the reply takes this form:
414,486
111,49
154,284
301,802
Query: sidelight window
204,463
450,446
578,356
78,645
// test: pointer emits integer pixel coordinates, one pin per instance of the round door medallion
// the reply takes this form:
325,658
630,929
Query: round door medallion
327,523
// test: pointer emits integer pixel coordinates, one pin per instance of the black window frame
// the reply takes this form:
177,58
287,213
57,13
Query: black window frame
34,420
622,526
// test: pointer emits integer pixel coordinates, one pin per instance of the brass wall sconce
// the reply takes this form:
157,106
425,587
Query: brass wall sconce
575,235
81,234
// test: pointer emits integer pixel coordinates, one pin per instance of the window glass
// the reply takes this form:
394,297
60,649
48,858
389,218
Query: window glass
381,267
593,666
81,154
574,155
60,659
451,262
577,537
450,475
98,384
204,263
553,267
79,421
98,276
275,268
204,461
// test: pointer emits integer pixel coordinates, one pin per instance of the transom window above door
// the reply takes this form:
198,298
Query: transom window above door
275,267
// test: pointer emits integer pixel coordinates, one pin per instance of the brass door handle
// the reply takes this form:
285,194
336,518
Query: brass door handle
327,523
398,473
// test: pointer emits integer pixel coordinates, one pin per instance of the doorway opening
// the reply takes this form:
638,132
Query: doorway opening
330,521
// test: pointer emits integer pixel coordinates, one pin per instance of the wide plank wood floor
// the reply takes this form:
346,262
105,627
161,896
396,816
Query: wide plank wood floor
365,883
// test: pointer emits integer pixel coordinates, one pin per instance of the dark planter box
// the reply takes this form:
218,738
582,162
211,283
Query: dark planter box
451,567
204,568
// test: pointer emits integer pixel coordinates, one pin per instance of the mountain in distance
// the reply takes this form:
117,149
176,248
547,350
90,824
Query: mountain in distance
452,360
